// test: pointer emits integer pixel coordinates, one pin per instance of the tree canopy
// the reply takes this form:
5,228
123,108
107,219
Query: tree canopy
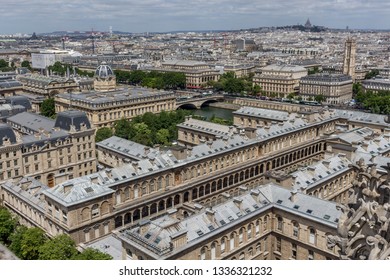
48,108
4,67
103,133
152,79
151,129
31,241
376,102
7,225
92,254
229,83
61,247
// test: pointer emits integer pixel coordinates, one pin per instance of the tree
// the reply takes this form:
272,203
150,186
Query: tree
26,64
3,63
320,98
142,134
103,133
32,240
48,108
122,128
162,136
373,73
16,240
92,254
61,247
7,225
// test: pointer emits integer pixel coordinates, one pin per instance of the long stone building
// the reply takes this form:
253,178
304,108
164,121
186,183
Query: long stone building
334,88
190,181
107,103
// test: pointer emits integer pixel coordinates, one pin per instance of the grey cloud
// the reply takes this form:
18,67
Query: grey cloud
163,15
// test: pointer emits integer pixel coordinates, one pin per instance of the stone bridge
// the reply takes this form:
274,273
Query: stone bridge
197,102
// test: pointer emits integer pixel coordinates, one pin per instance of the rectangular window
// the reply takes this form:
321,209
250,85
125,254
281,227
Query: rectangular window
294,251
278,244
310,255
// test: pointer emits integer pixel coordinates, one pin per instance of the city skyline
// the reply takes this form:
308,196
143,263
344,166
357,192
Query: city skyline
41,16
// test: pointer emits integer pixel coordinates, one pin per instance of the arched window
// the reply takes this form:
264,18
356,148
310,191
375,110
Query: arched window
203,253
312,236
257,227
232,241
280,224
213,251
105,208
85,214
240,236
249,232
295,226
258,248
223,245
95,211
127,193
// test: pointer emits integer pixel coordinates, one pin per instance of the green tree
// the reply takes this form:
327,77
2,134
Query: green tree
32,240
92,254
26,64
142,134
371,74
16,240
162,136
61,247
320,98
122,128
103,133
48,108
7,225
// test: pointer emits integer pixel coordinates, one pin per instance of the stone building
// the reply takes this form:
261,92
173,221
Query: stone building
279,80
193,132
104,108
376,84
107,103
195,180
51,151
336,89
47,86
268,223
153,185
197,73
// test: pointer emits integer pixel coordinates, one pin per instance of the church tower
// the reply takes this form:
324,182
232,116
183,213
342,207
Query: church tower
349,58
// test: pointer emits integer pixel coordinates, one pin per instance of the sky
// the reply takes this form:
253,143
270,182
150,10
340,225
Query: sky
28,16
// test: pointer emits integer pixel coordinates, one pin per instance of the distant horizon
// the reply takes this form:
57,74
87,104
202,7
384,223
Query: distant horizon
162,16
186,31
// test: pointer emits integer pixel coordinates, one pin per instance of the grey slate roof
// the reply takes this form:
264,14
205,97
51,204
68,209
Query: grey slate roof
65,120
204,126
28,189
32,121
76,190
158,236
127,148
311,176
6,132
265,113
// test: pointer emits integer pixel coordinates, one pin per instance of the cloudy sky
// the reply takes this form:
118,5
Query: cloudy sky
27,16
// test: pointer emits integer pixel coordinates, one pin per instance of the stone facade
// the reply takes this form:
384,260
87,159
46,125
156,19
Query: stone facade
279,80
336,89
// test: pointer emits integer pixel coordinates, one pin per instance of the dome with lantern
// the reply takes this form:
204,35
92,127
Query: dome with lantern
104,78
